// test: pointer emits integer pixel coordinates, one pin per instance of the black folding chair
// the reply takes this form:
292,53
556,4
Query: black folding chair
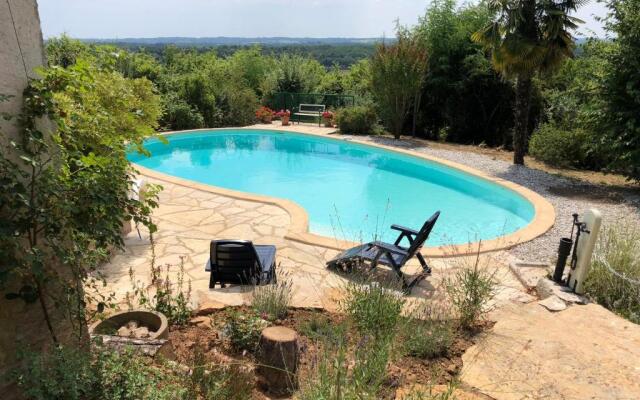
241,262
393,255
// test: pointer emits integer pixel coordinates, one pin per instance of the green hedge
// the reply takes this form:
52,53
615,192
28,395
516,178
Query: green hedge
358,120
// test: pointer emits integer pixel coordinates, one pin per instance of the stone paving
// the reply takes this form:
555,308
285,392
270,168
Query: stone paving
531,353
188,219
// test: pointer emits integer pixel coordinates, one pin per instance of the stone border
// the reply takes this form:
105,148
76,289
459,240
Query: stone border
298,231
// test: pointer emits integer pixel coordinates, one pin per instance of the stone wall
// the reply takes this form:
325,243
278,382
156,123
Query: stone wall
21,51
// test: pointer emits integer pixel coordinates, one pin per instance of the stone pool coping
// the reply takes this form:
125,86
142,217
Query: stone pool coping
543,220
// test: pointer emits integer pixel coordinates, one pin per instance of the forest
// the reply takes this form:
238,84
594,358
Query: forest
582,99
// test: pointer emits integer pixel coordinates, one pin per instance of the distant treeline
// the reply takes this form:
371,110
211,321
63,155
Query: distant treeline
342,55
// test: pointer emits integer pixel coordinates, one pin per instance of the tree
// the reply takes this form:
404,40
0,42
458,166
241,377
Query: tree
525,38
622,89
397,76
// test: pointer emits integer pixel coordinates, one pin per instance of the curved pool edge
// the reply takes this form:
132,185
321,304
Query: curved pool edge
543,220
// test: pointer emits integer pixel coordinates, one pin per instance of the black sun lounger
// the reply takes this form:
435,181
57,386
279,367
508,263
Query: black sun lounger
393,255
241,262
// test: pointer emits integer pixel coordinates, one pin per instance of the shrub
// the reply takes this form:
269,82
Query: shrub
428,332
209,381
322,329
163,295
180,115
358,120
272,301
244,330
562,148
470,290
338,376
617,249
373,308
64,374
68,374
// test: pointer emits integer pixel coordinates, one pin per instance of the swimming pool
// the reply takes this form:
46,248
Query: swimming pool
350,191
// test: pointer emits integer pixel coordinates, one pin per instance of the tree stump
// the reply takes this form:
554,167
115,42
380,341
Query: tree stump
278,358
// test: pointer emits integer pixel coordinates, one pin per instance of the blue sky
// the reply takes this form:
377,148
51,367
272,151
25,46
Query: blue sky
246,18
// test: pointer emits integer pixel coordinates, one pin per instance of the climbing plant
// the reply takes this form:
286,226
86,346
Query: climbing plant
65,183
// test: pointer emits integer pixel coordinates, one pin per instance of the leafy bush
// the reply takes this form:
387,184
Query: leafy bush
373,308
179,115
244,330
618,249
63,374
358,120
560,147
470,290
272,301
68,374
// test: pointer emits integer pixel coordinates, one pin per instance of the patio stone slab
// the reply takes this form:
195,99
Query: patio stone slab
584,352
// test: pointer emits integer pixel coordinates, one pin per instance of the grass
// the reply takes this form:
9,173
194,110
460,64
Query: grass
272,301
617,249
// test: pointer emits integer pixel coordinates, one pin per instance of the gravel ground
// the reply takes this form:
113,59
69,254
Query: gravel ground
567,196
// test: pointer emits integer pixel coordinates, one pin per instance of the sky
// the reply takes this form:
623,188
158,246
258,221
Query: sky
243,18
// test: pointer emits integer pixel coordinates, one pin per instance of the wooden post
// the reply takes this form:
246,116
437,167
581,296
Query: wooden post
278,358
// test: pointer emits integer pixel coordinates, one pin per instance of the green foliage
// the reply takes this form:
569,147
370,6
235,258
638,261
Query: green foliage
244,330
623,89
428,332
617,249
357,120
336,377
68,374
470,291
561,148
65,191
462,93
397,76
62,374
373,308
272,301
218,382
163,294
322,329
526,38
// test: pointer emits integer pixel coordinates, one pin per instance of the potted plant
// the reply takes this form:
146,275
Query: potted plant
264,115
284,116
327,117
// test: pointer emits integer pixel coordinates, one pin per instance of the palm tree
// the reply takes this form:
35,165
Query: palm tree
525,38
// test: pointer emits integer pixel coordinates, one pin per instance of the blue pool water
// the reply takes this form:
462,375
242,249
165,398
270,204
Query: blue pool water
350,191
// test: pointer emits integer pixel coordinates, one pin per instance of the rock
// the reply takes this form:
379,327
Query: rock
124,331
209,306
546,288
203,322
553,303
529,273
584,352
141,332
132,325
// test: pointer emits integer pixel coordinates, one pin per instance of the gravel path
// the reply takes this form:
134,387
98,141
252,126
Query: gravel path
567,196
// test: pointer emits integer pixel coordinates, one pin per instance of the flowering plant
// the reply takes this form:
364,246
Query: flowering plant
283,113
264,113
327,115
